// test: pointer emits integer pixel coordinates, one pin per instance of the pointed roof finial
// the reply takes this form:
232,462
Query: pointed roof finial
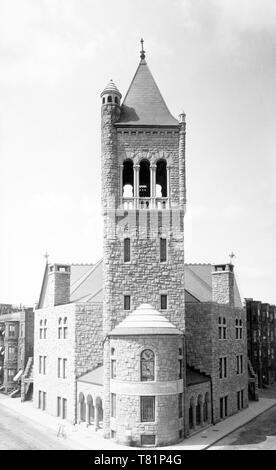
142,52
46,256
232,256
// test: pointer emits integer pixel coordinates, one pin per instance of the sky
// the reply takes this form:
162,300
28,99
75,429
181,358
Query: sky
214,59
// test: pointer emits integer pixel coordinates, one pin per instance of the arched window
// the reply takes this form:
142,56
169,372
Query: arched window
116,100
128,178
109,99
147,365
103,100
144,179
161,178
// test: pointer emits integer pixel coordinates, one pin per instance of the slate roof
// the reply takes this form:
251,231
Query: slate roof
143,104
87,281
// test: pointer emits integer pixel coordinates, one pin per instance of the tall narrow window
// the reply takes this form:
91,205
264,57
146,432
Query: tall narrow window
164,301
180,363
147,365
113,405
240,327
64,408
44,365
64,368
180,405
59,367
147,409
126,302
59,328
222,367
40,329
113,368
126,250
163,249
65,328
59,406
45,329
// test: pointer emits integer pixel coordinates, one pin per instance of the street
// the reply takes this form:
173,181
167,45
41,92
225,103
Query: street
259,434
18,433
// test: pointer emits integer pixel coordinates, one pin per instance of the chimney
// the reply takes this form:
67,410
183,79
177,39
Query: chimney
223,284
58,288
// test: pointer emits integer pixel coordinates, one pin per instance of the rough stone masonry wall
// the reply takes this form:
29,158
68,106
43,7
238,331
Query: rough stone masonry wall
58,288
127,353
89,337
143,278
223,287
203,353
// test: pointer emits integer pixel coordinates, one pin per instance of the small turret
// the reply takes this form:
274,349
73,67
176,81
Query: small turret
111,94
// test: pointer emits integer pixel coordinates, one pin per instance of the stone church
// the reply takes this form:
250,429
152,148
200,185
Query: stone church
141,346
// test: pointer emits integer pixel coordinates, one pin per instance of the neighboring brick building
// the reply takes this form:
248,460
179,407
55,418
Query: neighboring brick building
115,343
16,345
261,332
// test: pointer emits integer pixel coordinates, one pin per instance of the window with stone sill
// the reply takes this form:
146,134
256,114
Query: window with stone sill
222,327
147,365
126,250
113,405
113,368
147,409
164,301
126,302
222,367
163,250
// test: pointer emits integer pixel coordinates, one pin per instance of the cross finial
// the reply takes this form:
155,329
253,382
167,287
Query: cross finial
46,256
232,256
142,52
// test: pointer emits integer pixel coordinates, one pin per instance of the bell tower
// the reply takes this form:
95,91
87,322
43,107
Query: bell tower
143,200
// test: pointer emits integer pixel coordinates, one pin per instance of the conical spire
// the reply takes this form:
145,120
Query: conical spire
143,104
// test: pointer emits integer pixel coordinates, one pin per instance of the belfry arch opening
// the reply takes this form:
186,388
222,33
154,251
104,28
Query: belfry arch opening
128,179
161,178
144,179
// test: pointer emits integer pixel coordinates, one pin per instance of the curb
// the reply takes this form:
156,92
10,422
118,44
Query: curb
239,427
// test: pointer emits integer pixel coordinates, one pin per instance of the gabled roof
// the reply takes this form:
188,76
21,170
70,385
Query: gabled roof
85,283
143,104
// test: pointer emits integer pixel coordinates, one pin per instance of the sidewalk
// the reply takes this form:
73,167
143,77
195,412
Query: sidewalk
81,438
